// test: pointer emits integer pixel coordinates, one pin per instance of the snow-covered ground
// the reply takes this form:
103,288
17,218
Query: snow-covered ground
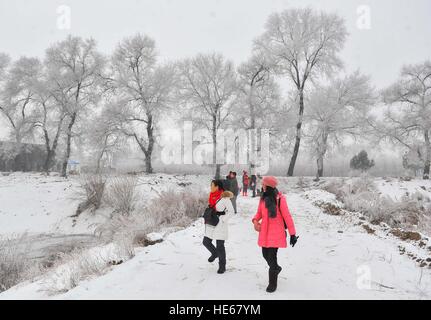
335,258
34,203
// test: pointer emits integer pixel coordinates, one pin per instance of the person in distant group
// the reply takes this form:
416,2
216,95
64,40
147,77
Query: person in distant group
227,183
245,183
258,183
234,188
219,199
253,182
270,221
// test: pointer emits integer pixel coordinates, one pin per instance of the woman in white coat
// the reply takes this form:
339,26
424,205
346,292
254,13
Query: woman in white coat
225,211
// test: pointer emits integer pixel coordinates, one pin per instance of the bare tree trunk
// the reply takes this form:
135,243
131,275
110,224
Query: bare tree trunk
321,154
149,153
50,151
214,138
48,158
68,145
253,142
320,166
99,160
426,174
147,150
298,134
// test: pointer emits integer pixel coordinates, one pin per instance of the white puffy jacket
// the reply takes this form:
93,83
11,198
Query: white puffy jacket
220,231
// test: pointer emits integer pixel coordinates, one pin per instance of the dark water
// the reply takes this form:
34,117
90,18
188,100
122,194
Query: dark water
44,247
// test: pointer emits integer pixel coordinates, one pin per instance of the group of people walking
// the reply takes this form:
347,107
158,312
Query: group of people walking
271,220
249,182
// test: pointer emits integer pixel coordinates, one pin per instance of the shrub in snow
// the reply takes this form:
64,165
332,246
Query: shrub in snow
342,189
301,184
169,209
361,195
93,187
15,266
78,265
121,194
177,208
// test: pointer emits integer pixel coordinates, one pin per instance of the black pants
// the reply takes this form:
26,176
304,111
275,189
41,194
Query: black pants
219,251
270,255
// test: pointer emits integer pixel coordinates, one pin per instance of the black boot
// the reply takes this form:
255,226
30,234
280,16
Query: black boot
221,269
273,277
212,258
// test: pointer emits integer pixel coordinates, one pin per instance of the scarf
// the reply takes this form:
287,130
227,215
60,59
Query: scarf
214,197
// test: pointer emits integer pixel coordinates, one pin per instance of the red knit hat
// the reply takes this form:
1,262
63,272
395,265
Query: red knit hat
270,181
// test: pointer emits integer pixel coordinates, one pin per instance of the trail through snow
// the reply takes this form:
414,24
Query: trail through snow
325,264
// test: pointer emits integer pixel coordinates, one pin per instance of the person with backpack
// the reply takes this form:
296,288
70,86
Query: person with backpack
231,184
245,183
253,184
218,201
271,220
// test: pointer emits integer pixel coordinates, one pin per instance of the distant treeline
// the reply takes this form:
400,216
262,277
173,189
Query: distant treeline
21,156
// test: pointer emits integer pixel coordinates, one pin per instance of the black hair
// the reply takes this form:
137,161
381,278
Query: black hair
218,183
270,198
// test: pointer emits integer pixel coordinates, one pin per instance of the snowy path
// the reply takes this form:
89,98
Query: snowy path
325,264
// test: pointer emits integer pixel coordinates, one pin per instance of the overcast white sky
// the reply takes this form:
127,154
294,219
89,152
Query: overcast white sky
400,30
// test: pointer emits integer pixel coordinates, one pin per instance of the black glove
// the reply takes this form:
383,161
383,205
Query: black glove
293,240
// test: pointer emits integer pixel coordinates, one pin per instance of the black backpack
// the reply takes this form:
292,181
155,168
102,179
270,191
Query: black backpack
279,208
211,216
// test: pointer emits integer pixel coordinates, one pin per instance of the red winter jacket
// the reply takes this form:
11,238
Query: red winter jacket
272,233
245,180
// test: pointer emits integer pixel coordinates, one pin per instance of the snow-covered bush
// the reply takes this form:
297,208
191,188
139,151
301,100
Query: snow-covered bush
178,208
121,194
356,186
93,187
71,268
169,209
14,263
361,195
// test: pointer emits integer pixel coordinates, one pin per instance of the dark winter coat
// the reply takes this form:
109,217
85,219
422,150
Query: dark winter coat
231,184
253,181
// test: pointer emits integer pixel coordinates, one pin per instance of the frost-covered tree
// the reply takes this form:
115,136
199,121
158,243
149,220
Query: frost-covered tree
361,162
75,67
259,100
49,117
107,136
413,159
144,87
208,87
302,44
408,119
16,95
336,110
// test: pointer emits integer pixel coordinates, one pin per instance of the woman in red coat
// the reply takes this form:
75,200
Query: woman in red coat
270,220
245,183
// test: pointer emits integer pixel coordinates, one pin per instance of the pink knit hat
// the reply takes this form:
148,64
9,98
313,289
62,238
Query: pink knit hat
270,181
